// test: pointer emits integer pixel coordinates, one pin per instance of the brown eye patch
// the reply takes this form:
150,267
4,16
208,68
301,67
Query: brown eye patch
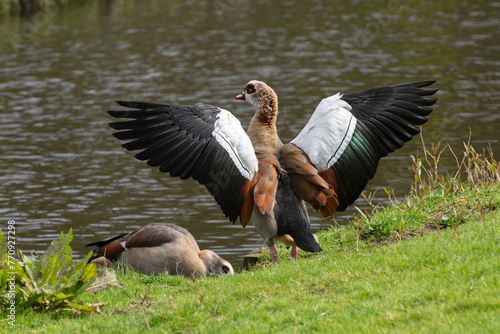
250,88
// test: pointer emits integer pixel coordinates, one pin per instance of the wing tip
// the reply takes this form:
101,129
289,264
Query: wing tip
418,84
118,114
426,83
127,104
420,88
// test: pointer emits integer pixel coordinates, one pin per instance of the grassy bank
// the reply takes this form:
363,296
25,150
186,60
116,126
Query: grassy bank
428,263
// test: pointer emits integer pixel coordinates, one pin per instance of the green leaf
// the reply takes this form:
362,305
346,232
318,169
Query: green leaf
31,269
59,247
78,266
88,277
51,270
3,244
79,307
89,272
61,296
66,265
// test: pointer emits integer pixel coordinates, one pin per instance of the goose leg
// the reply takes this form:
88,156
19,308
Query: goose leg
294,252
273,254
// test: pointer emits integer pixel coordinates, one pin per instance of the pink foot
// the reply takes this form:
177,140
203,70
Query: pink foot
294,252
274,254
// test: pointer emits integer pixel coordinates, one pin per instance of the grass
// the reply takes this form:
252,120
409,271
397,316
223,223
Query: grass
429,263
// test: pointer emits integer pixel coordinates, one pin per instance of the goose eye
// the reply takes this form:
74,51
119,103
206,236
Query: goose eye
225,269
250,89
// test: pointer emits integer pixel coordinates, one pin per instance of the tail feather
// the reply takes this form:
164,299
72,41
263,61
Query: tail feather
109,248
292,218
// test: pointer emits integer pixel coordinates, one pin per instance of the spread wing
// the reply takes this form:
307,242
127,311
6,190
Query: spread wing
348,134
199,141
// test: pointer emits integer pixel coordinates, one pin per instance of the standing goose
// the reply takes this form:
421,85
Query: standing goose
160,248
254,175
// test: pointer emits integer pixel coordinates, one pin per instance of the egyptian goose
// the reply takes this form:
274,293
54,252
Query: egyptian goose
254,175
160,248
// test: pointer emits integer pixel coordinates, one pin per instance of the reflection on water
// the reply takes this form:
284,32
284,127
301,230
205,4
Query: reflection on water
62,169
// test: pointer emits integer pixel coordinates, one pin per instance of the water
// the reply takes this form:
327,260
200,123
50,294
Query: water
61,70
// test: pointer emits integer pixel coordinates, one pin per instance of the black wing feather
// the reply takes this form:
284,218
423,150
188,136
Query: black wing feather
178,140
387,118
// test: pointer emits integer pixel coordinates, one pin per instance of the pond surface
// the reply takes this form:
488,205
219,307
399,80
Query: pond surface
62,69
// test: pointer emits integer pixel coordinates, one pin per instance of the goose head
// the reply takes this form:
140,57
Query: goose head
259,95
215,264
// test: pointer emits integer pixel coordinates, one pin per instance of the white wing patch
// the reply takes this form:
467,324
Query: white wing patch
231,136
328,133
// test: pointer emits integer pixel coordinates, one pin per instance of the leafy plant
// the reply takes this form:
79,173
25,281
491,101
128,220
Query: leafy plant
51,282
451,220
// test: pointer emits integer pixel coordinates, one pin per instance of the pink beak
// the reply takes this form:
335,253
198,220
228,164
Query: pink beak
241,96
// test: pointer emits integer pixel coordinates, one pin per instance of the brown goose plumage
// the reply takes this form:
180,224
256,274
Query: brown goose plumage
160,248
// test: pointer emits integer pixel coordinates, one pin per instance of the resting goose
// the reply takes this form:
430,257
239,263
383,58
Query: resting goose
160,248
254,175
